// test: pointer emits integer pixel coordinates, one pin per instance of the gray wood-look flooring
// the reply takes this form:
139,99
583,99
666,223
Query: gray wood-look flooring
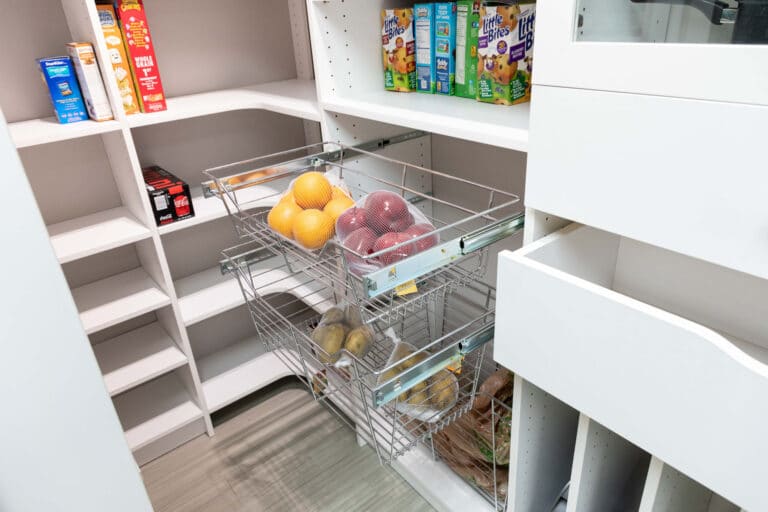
279,452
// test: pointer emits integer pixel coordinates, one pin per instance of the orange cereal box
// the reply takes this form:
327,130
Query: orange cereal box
398,49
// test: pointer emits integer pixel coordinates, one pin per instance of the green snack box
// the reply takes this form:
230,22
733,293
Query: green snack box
467,28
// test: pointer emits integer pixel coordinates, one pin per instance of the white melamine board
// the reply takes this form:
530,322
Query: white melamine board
668,490
237,371
169,442
654,180
648,362
296,98
101,266
155,409
608,471
44,131
543,439
102,231
110,301
136,357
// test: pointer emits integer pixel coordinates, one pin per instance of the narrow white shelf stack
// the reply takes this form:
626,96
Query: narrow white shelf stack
43,131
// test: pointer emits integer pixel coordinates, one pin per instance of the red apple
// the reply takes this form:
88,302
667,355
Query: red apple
360,241
388,240
422,229
387,211
349,221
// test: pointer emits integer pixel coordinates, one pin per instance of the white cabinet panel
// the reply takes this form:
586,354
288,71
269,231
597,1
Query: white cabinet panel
680,174
666,350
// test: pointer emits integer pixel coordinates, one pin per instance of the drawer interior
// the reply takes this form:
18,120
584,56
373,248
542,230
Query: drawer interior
729,302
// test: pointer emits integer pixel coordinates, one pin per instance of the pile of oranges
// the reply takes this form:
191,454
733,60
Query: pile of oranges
308,212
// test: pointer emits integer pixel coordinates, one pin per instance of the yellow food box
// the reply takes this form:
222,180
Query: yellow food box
120,64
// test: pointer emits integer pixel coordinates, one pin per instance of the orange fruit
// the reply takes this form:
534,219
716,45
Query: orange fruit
312,190
282,216
338,193
336,207
312,228
288,197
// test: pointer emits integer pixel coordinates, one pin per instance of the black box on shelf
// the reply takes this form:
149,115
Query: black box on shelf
168,195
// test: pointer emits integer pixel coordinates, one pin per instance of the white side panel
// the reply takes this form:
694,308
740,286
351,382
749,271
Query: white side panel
669,177
63,448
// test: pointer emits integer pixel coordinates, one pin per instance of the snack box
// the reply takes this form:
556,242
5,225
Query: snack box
59,75
141,51
445,47
87,69
168,195
117,56
505,49
467,28
398,49
424,24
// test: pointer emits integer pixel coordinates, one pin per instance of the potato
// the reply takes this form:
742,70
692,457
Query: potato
353,317
389,375
413,360
418,398
330,338
401,351
442,389
359,341
419,387
332,316
403,397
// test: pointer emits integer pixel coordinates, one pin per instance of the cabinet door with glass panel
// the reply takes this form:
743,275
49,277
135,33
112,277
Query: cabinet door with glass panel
701,49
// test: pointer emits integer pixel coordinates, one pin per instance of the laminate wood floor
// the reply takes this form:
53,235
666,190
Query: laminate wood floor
282,451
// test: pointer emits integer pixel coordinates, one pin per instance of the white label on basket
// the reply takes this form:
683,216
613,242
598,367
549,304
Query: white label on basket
161,203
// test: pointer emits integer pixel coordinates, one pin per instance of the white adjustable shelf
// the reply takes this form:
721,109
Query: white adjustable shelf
296,98
238,370
136,357
42,131
91,234
154,410
497,125
118,298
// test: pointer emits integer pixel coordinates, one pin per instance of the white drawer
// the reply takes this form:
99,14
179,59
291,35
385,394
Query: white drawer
635,337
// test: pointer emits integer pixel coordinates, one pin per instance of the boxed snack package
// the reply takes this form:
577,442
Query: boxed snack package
505,49
445,47
138,42
467,28
84,61
398,49
120,65
168,195
424,24
59,75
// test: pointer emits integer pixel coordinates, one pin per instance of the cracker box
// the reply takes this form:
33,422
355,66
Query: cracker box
505,49
141,52
467,28
168,195
445,47
398,49
59,75
424,24
91,85
118,58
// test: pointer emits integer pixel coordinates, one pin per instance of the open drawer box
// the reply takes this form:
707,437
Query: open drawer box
667,350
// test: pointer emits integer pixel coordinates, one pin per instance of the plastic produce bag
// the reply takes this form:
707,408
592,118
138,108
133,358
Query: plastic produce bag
429,399
341,334
383,220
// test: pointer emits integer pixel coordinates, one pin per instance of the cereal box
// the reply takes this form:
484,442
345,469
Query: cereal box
505,49
116,50
445,47
399,49
467,28
59,76
140,48
84,61
424,23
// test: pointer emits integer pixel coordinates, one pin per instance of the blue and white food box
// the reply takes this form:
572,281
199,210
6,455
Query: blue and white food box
59,75
424,24
445,47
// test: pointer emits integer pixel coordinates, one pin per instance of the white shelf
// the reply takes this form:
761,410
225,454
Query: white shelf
154,410
296,98
137,357
238,370
102,231
43,131
497,125
117,298
209,293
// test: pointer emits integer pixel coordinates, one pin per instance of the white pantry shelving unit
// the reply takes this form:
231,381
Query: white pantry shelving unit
627,419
